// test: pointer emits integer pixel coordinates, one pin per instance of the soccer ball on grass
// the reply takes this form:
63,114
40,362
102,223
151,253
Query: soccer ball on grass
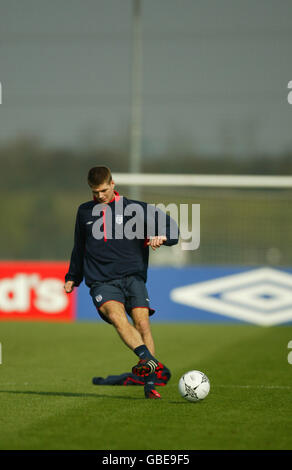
194,385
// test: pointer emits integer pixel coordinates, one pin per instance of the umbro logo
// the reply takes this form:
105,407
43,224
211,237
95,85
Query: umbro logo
89,222
261,296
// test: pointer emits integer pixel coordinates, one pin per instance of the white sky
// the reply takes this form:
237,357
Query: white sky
215,73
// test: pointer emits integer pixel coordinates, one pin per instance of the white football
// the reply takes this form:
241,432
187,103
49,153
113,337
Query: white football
194,385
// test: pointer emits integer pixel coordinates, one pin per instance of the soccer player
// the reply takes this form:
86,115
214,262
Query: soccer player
111,252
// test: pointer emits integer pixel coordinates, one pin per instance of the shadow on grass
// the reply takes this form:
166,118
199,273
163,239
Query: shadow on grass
90,395
70,394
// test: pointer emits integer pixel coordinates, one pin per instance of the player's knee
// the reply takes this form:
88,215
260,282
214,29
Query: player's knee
114,313
142,325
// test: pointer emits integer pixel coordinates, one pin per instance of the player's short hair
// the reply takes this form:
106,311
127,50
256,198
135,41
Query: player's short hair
99,175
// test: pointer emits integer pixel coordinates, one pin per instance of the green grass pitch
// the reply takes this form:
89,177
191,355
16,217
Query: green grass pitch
48,401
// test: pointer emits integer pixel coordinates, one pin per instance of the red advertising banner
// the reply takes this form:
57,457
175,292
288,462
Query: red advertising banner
33,290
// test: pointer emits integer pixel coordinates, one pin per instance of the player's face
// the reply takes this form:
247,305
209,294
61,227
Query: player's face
103,193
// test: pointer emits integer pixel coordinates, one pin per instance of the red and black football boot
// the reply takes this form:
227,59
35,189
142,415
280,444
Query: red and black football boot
146,367
151,393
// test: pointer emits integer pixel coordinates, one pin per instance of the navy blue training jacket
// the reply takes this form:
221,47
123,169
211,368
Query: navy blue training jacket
101,252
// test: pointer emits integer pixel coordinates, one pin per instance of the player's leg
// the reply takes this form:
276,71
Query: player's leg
137,305
140,316
115,313
109,301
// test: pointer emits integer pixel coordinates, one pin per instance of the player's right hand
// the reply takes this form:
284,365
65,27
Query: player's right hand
69,286
156,242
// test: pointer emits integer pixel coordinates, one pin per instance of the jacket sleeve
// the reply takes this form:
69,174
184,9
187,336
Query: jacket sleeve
159,223
75,272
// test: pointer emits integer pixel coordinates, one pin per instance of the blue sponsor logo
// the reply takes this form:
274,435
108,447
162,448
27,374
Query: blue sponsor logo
261,296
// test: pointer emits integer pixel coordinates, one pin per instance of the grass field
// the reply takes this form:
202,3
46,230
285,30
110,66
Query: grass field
48,401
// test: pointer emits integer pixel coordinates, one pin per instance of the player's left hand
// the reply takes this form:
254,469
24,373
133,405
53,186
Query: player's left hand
156,242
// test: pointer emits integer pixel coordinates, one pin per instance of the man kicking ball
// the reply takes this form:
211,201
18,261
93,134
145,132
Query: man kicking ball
111,252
